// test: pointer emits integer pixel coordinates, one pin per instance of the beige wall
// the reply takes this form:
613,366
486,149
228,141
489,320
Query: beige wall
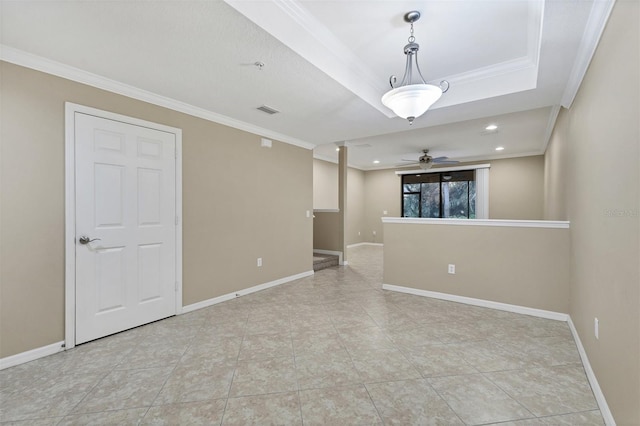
382,193
593,180
556,171
520,266
516,188
241,202
355,207
326,231
325,185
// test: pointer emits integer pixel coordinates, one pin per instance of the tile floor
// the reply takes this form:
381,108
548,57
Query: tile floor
328,349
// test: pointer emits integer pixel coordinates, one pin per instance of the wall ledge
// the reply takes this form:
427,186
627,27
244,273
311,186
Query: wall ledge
480,222
243,292
326,210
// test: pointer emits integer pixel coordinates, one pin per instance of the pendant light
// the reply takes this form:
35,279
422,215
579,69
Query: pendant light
410,100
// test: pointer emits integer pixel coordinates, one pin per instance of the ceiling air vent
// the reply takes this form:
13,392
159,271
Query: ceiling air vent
268,109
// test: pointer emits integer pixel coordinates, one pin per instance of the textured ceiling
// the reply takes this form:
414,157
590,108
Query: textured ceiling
327,64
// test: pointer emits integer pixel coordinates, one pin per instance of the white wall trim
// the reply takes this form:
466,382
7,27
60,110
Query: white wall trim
479,222
600,11
443,169
244,292
365,244
332,252
326,210
593,381
38,63
70,219
31,355
558,316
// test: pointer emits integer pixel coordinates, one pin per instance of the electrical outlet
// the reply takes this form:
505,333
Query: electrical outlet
259,262
596,327
358,233
374,233
452,269
308,213
384,212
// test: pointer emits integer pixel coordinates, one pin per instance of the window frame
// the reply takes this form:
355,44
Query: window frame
440,181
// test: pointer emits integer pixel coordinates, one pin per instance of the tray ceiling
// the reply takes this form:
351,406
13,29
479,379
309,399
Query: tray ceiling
327,64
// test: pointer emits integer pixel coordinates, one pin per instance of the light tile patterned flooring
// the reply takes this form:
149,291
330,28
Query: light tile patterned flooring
328,349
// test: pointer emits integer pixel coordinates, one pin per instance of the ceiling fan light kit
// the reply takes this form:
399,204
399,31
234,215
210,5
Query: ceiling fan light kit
410,100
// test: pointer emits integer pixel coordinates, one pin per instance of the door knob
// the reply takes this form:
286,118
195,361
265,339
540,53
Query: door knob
86,240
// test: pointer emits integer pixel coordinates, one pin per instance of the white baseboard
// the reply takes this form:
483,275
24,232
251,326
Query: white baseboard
597,392
244,292
31,355
480,302
208,302
331,252
365,244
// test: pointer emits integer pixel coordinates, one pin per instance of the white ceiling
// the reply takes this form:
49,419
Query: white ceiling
327,63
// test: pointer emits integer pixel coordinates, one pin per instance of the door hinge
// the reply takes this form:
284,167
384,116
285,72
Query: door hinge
177,219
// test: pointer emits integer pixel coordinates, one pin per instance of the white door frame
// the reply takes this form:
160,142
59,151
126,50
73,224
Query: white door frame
70,208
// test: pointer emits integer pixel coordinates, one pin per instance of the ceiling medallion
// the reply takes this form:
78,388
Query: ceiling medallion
412,100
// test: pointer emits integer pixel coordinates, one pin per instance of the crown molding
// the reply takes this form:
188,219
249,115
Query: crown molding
38,63
514,65
600,11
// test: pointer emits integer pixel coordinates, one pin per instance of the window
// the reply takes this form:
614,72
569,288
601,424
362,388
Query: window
439,195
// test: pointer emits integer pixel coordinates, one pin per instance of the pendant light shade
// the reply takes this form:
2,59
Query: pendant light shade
410,100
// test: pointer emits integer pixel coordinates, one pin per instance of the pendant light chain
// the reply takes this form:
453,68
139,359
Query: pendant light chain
411,37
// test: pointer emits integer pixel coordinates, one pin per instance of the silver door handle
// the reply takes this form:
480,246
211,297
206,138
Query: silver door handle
86,240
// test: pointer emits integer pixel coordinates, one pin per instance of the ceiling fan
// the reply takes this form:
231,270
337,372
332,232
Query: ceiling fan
425,161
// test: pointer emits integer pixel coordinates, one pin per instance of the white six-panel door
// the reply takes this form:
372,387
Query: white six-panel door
125,200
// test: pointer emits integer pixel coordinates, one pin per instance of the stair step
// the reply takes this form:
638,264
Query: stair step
323,261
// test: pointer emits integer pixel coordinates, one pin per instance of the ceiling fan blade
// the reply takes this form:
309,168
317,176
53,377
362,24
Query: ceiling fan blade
446,162
440,158
412,161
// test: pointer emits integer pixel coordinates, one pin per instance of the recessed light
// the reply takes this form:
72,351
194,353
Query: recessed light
376,161
499,148
491,127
